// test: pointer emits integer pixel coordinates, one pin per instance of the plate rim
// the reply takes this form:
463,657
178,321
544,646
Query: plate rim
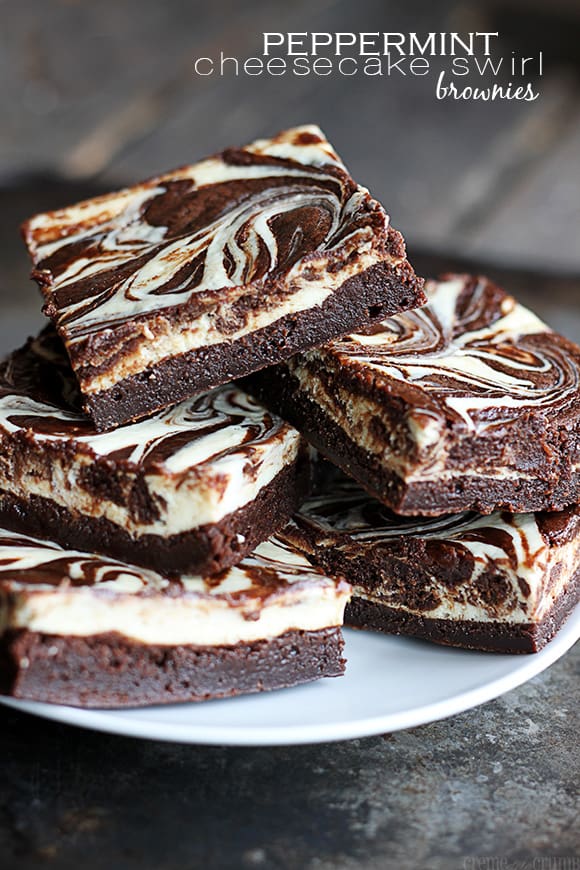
115,722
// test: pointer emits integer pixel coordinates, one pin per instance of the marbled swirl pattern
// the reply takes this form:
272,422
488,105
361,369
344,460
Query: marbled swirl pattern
472,353
513,540
29,563
243,216
507,567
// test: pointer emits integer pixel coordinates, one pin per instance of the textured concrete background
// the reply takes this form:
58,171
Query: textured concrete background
498,782
106,92
96,94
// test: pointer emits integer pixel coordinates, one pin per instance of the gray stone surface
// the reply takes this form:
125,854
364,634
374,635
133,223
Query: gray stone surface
500,781
96,94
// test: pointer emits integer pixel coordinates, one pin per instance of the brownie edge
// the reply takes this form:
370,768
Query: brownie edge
379,292
492,636
110,670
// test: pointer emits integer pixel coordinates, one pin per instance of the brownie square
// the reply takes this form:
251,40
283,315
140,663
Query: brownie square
193,488
181,283
81,629
470,403
502,582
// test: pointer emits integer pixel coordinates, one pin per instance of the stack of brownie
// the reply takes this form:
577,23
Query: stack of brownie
166,533
457,427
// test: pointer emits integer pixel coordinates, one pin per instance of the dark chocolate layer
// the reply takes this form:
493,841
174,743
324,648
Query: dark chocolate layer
466,577
111,671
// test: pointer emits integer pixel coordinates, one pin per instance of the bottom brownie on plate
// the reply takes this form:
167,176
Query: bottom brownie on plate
504,582
81,629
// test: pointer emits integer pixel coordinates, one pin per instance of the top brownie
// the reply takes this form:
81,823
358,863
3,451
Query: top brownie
470,403
181,283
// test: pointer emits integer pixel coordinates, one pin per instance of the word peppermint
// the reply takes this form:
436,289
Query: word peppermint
375,44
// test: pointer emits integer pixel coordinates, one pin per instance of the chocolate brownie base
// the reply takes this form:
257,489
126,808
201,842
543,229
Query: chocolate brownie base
111,671
524,637
206,550
278,390
379,292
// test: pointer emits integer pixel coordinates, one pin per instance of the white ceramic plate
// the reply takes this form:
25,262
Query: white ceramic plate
391,683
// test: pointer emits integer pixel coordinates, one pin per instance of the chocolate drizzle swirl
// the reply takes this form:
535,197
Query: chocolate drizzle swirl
346,514
273,568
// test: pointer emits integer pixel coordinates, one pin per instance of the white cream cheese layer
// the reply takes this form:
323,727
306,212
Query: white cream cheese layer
271,592
169,340
467,367
216,453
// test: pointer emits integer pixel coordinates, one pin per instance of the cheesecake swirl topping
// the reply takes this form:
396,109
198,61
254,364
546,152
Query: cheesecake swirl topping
471,353
274,566
245,215
348,514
